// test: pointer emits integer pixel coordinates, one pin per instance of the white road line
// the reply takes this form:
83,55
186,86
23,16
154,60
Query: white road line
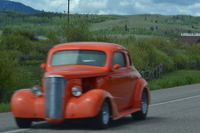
16,131
172,101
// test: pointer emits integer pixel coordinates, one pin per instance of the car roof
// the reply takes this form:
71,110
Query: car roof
104,46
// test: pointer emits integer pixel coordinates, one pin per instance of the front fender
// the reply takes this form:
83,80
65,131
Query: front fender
25,104
89,104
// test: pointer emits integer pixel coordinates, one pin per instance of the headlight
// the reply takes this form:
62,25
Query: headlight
36,90
76,91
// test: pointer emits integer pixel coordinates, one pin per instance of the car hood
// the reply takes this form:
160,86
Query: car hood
77,71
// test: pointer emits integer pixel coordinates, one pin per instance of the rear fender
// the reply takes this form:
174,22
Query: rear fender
89,104
141,84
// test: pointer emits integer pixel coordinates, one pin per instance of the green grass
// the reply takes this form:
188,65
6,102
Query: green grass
177,78
4,107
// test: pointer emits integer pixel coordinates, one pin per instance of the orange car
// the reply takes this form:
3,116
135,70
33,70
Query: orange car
84,80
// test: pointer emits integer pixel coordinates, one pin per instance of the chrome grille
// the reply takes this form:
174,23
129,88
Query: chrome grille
54,96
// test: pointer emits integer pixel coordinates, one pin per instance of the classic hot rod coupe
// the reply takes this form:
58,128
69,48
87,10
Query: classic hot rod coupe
92,80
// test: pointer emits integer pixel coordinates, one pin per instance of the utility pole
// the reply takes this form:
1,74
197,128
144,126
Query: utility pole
68,12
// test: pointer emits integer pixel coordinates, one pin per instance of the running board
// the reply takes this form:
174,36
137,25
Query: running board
126,112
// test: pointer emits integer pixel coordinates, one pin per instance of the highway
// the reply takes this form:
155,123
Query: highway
172,110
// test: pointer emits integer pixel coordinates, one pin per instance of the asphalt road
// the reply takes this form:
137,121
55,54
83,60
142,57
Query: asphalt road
172,110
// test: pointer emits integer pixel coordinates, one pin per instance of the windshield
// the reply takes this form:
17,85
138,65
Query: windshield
82,57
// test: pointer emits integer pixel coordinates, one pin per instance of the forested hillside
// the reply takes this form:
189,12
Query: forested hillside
120,25
151,24
17,6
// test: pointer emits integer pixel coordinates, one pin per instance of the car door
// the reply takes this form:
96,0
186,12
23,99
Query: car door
133,75
119,81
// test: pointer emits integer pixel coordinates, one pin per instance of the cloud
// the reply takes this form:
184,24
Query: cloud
191,10
124,3
93,4
177,2
125,7
90,6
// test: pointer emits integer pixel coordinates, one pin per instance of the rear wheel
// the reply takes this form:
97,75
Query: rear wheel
101,121
23,122
141,115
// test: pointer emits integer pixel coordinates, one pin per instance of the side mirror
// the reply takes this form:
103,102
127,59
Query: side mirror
116,66
43,66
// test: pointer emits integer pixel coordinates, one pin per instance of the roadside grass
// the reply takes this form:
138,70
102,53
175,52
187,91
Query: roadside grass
177,78
4,107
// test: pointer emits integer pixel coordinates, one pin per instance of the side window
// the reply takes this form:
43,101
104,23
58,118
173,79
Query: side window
118,58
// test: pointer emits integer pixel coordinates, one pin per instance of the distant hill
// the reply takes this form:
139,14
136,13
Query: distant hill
140,25
11,5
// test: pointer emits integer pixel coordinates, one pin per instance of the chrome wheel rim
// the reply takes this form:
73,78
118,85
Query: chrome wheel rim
105,113
144,103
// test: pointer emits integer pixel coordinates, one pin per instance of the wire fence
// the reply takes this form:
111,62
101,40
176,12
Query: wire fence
146,74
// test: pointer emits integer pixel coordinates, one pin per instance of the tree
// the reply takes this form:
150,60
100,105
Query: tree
156,27
152,29
193,26
126,27
77,32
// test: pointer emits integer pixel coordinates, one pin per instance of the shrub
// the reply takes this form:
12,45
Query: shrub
16,42
193,51
32,62
30,35
6,31
145,55
8,62
181,60
53,38
76,32
29,50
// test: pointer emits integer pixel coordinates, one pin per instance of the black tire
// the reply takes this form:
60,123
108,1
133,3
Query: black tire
23,122
102,120
141,115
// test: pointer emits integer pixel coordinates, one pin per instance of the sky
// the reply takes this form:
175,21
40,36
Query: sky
121,7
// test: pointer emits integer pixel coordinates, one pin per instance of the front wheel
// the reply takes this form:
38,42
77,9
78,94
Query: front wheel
101,121
23,122
141,115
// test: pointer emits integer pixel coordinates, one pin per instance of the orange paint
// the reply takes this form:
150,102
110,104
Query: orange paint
122,86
